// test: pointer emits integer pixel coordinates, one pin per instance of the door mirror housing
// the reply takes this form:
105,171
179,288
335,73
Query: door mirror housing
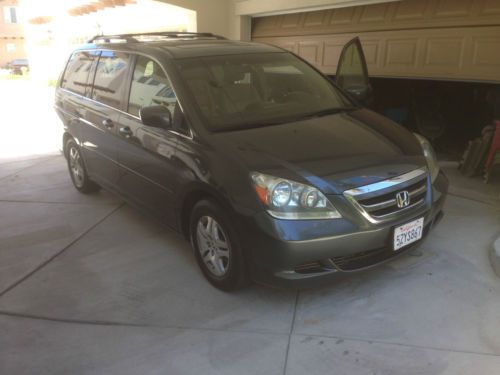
156,116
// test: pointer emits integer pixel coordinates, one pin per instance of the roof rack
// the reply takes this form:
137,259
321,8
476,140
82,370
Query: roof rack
135,37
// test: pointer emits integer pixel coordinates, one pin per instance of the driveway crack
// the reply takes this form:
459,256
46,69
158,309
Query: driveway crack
49,260
290,333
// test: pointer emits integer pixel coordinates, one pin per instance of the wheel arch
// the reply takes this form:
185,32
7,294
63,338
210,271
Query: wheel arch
193,195
66,138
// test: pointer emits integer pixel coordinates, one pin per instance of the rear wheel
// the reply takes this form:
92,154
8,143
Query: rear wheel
216,248
77,169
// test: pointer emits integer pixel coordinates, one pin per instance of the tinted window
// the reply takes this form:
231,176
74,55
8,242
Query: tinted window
237,91
150,86
110,78
77,71
351,71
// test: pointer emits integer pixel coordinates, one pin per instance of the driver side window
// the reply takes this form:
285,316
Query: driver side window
150,86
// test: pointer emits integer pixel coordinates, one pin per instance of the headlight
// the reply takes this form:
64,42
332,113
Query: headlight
430,155
285,199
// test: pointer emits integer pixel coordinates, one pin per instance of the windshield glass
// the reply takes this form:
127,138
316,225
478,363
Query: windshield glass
241,91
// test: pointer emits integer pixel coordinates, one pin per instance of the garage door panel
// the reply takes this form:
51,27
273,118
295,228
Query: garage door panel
371,49
486,56
444,54
399,15
401,53
487,52
410,11
452,8
449,53
315,19
291,21
311,51
331,54
292,46
490,8
375,13
340,17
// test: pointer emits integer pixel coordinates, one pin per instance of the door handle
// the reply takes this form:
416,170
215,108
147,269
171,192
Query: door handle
108,123
126,131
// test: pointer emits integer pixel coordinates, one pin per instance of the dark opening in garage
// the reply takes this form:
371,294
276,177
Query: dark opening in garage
448,113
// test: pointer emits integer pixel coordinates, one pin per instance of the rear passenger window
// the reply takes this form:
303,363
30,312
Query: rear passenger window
110,78
75,78
150,86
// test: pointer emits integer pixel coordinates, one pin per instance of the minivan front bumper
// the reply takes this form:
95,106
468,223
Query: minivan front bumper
301,252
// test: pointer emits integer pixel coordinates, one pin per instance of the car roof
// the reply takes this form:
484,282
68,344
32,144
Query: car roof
186,48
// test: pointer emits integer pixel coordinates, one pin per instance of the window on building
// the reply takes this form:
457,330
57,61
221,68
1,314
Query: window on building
11,47
10,14
110,78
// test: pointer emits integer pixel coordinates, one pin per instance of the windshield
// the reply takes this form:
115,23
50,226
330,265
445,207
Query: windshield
241,91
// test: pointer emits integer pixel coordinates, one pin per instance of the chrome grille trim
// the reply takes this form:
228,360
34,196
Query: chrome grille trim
391,202
418,203
381,189
393,181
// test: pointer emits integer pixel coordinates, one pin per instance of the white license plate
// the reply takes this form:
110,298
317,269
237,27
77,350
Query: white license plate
408,233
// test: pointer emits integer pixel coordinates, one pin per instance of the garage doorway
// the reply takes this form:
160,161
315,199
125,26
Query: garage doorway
434,65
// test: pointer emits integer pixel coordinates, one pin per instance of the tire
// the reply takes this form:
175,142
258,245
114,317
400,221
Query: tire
210,231
78,170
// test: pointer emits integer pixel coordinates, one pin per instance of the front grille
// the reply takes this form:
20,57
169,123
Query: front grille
386,204
377,202
362,260
313,267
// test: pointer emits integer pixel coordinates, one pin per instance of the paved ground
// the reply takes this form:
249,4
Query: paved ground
89,285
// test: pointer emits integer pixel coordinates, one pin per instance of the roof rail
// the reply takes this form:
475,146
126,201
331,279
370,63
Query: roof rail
135,37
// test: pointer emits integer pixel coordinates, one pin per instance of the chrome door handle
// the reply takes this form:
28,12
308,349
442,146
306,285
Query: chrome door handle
108,123
126,131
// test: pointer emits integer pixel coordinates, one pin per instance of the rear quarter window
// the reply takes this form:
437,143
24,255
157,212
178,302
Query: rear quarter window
75,77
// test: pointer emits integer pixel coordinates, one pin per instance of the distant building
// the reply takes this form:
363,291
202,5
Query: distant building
11,32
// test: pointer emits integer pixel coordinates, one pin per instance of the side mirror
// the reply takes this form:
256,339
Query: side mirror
156,116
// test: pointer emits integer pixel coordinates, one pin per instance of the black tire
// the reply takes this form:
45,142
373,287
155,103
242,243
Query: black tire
80,179
235,276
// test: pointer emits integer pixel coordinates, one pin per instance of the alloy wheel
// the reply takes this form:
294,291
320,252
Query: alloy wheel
213,245
76,166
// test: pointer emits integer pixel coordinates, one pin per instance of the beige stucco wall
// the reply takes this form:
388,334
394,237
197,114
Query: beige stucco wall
10,34
212,15
269,7
18,53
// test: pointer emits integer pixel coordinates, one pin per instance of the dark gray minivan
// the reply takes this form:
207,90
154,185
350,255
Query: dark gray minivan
272,171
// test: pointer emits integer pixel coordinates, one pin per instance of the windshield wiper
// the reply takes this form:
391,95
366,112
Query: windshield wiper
258,124
329,111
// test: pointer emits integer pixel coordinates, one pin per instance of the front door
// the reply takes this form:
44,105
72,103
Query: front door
146,154
352,72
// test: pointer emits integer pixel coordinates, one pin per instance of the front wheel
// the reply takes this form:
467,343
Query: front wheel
216,248
77,169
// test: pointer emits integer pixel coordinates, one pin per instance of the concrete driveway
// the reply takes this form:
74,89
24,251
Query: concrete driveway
89,285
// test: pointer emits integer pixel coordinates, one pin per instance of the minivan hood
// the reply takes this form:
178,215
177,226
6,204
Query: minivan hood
333,153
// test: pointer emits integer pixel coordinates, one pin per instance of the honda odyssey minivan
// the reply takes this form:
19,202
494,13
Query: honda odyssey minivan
271,170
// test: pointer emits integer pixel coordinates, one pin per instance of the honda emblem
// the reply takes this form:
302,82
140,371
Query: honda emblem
403,199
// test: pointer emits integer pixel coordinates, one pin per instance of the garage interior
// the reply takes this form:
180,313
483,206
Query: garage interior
434,65
89,285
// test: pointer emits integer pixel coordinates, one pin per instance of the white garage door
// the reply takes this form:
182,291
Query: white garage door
434,39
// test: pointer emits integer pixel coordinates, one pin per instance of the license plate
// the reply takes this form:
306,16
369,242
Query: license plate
408,233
